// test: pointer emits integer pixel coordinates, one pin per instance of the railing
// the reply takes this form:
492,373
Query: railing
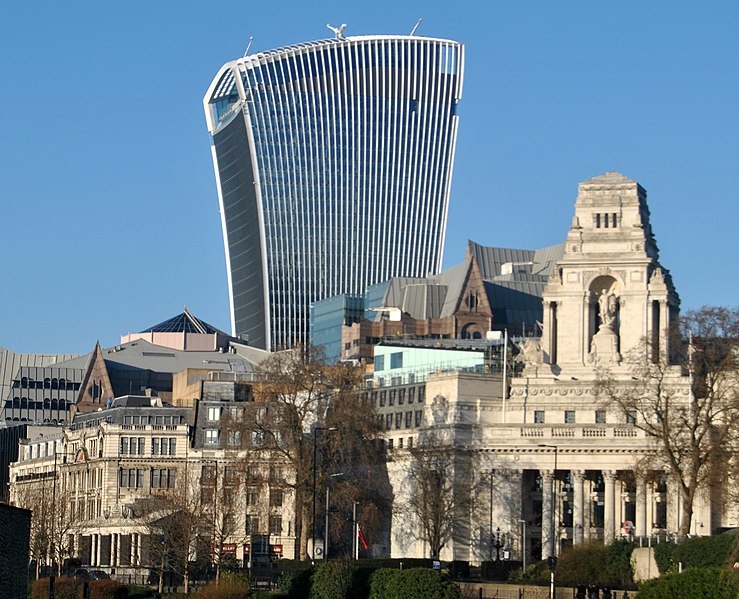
575,431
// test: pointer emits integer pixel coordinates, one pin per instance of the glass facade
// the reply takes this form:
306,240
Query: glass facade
333,162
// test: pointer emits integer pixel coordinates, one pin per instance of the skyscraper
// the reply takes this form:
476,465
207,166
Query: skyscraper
333,164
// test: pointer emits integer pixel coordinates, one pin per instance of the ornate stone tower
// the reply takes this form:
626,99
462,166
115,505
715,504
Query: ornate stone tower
609,292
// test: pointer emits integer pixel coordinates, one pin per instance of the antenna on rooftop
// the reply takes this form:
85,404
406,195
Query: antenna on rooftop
248,47
413,31
339,31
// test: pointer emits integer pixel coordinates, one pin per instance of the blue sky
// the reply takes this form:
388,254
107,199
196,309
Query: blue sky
108,203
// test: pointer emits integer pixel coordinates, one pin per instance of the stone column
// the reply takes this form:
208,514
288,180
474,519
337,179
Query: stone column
642,529
547,513
578,520
609,505
664,327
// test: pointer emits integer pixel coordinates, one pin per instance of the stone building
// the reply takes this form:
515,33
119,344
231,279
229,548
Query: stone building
550,461
15,530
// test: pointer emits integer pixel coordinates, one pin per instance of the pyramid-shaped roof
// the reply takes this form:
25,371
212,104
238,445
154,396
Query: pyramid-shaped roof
184,323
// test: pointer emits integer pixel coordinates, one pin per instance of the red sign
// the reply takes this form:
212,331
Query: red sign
228,549
277,549
628,526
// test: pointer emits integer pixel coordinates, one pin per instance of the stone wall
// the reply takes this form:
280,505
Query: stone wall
15,532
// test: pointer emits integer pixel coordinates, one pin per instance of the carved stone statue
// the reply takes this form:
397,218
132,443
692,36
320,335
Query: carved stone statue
531,352
607,307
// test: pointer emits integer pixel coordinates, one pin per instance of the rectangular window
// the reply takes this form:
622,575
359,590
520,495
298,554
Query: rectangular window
389,443
411,394
252,525
154,446
569,416
276,474
539,416
421,394
408,419
214,414
400,443
398,419
275,498
234,438
275,525
410,442
600,416
251,496
124,445
382,398
211,436
396,360
379,363
401,397
631,417
393,393
208,475
388,421
173,446
418,417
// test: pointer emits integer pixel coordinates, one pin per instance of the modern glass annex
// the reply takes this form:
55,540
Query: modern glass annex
333,164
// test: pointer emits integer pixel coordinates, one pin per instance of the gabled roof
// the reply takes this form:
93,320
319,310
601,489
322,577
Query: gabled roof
184,323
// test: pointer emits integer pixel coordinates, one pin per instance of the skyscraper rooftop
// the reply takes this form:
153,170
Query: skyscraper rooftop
333,164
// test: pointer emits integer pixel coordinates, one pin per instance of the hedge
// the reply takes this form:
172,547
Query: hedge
415,583
694,583
71,588
699,552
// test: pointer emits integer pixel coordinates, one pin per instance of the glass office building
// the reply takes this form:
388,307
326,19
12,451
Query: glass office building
333,164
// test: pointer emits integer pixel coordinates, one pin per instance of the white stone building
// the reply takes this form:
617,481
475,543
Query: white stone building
552,462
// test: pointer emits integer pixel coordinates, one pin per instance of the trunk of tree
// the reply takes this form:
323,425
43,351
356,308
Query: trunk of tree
305,530
686,511
186,575
161,578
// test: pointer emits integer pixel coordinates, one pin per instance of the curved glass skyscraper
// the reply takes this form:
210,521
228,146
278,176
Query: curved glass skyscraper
333,163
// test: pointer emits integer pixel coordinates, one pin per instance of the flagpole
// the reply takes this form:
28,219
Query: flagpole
355,541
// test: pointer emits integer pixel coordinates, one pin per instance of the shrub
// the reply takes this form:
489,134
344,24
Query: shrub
694,583
332,580
230,586
591,563
64,588
296,584
700,552
106,589
416,583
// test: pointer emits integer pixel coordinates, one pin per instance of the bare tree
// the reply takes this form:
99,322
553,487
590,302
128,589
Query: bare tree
440,490
177,525
295,392
693,428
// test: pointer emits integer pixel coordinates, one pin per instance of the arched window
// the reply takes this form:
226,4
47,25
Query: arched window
62,383
47,403
54,383
24,382
47,383
54,404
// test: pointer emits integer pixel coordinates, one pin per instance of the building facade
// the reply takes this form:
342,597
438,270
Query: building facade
551,462
333,163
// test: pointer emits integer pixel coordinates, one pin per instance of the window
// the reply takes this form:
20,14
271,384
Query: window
418,417
154,446
257,438
388,421
214,414
234,438
252,525
251,496
393,393
211,436
163,478
398,419
275,525
401,397
275,498
382,398
276,474
421,394
410,442
379,363
411,394
124,445
408,419
569,416
539,416
600,416
208,474
400,443
631,417
396,360
389,443
132,478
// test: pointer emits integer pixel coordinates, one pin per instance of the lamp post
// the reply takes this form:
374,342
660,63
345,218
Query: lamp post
328,506
523,543
316,430
490,552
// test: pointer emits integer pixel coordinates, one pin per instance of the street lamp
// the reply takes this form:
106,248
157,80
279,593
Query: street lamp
316,430
490,552
523,543
328,506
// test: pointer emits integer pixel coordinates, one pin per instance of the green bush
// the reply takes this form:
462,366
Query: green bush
700,552
296,584
230,586
416,583
694,583
332,580
64,588
107,589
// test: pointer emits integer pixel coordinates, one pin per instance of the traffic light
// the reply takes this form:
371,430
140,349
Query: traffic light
552,562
